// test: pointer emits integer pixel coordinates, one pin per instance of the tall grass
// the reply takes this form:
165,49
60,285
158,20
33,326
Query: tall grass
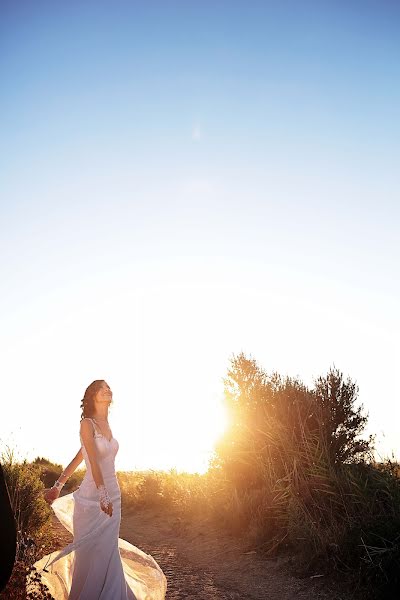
284,486
183,493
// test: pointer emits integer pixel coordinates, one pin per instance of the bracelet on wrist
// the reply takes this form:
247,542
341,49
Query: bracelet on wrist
58,484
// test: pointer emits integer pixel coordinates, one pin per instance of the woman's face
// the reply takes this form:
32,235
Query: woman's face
104,394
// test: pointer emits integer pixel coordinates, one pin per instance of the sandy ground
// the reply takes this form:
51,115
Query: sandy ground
200,563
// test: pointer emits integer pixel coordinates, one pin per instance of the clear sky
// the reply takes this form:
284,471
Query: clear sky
182,181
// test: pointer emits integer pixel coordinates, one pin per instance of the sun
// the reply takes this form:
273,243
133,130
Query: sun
184,441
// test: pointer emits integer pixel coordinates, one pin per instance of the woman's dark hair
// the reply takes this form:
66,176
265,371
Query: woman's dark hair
87,402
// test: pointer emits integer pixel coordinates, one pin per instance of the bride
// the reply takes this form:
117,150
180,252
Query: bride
97,565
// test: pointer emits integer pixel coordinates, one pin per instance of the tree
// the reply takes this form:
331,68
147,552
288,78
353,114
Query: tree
341,420
276,421
245,390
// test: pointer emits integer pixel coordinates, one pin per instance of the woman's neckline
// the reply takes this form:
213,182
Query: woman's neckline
100,432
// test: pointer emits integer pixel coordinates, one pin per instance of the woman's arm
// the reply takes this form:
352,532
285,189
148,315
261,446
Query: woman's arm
73,465
54,492
90,447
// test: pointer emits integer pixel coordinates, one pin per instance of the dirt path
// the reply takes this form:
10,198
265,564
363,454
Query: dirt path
202,564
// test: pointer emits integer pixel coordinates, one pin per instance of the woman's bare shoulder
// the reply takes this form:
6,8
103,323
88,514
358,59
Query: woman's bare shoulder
86,425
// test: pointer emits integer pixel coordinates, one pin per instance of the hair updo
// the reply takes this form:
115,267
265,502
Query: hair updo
87,402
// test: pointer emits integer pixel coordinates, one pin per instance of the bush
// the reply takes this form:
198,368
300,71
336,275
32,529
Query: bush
295,474
50,472
26,494
31,514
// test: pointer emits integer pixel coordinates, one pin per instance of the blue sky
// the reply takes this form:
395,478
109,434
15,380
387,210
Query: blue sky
184,180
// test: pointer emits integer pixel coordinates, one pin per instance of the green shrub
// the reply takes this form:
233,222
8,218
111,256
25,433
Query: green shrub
26,493
50,472
31,514
75,480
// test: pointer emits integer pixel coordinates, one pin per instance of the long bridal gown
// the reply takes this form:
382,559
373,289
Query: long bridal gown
98,565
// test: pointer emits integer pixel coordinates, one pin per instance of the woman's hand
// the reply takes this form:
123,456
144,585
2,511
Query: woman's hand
107,508
105,500
51,494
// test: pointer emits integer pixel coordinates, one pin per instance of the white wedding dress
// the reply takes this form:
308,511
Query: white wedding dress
98,565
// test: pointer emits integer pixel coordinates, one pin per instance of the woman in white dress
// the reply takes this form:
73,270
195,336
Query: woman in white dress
97,565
